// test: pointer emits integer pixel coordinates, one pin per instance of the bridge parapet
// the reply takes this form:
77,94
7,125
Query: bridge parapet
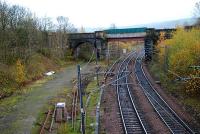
126,33
76,36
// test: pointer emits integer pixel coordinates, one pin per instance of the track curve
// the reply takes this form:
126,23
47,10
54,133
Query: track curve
167,115
131,120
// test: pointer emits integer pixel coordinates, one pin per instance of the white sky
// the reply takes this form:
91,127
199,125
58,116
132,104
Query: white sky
102,13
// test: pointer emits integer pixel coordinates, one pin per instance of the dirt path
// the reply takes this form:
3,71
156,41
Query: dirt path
20,118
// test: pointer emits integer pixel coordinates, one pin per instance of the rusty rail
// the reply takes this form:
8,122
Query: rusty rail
44,124
52,119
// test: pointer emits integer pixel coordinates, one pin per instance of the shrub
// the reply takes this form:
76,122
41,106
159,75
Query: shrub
45,52
37,65
7,83
183,51
20,72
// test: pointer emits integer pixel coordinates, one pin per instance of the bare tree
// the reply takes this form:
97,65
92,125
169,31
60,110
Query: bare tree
3,15
46,24
22,33
17,15
64,25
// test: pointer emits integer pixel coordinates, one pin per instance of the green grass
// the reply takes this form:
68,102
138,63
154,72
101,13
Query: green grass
40,119
90,112
91,109
67,128
7,105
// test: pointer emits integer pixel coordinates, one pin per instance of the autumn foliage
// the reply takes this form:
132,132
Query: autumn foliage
20,72
180,53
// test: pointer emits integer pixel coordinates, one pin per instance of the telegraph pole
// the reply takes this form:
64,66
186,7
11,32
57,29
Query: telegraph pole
81,101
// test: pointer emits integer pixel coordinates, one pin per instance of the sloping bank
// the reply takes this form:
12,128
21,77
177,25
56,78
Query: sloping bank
19,112
17,74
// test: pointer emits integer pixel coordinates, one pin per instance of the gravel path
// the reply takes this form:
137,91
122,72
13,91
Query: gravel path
20,119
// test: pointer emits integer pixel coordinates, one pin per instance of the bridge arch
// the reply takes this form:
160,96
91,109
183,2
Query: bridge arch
78,43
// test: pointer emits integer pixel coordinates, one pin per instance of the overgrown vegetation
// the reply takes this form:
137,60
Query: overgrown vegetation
177,65
178,55
90,108
29,46
14,77
93,92
174,66
20,72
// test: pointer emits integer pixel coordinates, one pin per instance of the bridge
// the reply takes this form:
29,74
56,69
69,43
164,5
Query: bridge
96,39
125,34
100,39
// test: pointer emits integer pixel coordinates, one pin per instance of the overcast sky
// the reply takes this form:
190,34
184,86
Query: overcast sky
103,13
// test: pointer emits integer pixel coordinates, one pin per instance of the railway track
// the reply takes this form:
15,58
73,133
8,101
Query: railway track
111,69
44,125
175,124
131,120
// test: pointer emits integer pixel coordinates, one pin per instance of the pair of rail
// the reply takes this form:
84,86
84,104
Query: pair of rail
130,116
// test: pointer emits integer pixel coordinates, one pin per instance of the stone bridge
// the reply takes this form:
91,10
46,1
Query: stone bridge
97,39
100,39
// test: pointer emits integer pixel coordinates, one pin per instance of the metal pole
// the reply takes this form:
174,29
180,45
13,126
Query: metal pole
96,60
95,44
81,101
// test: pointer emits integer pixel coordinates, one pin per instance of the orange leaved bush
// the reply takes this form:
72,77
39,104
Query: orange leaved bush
20,72
183,51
